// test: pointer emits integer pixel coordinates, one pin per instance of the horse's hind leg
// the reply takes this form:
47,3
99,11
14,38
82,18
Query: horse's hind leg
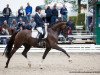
24,53
11,54
27,48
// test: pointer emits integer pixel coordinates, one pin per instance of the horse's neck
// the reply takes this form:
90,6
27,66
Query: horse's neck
55,27
58,27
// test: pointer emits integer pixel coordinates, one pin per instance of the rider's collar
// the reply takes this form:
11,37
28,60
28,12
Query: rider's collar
38,14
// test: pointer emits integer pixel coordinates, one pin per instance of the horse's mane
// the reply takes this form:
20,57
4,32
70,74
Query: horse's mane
58,25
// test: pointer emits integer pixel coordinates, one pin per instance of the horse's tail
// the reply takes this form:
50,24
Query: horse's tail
9,45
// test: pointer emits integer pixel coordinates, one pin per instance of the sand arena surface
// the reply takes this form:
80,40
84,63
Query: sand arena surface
54,64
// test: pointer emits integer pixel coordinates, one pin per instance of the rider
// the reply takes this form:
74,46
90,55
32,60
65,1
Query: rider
39,22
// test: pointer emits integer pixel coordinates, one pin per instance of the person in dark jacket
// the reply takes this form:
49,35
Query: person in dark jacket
28,26
48,12
28,12
21,12
7,12
39,22
21,25
54,15
63,12
70,24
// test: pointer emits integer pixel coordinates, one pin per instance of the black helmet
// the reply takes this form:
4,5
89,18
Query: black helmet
38,8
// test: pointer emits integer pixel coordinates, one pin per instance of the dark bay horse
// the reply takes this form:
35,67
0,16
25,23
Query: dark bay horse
24,38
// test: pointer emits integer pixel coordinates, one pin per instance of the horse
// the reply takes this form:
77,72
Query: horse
24,38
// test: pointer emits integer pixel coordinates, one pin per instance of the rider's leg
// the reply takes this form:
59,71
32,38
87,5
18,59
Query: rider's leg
40,37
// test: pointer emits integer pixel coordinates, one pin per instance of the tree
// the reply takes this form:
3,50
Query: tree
79,6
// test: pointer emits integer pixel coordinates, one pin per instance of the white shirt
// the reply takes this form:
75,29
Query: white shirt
38,14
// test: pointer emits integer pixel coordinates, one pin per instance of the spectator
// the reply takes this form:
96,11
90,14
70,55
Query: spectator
7,12
54,15
69,31
21,12
32,23
20,25
63,12
23,26
28,26
13,25
70,24
48,12
4,32
91,27
5,25
28,12
0,30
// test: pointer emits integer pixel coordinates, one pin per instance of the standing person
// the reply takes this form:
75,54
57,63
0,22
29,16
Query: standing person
28,12
39,22
48,12
7,12
20,12
63,12
54,15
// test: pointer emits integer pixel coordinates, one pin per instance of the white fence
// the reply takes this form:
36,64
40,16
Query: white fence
68,48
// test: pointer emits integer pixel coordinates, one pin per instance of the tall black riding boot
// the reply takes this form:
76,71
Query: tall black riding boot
40,37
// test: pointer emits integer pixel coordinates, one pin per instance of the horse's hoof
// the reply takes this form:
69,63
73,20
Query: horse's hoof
41,68
6,66
70,60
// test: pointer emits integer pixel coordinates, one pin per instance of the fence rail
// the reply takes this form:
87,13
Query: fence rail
69,48
73,37
5,36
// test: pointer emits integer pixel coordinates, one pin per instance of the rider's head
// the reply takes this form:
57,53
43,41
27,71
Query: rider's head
7,5
38,9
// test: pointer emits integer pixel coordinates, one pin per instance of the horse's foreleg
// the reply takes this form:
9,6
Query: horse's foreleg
60,49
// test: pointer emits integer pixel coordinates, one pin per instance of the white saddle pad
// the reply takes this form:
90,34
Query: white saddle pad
35,34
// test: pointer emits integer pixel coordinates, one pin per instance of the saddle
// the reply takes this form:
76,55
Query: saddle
37,34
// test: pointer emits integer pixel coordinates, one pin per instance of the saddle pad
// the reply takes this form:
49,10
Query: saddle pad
35,34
